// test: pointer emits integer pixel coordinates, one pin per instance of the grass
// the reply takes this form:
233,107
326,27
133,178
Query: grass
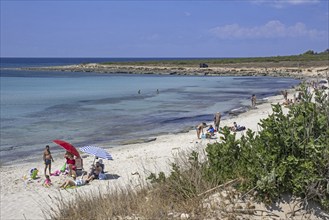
169,199
184,194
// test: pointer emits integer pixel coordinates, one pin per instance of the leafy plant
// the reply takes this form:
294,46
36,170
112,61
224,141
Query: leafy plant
289,154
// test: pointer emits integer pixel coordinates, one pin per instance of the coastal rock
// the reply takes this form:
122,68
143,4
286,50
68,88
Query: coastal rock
138,141
279,69
237,111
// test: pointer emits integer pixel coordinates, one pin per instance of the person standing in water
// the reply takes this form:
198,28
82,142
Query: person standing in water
47,158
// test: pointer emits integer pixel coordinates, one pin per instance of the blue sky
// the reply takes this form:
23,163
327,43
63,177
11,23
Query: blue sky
163,28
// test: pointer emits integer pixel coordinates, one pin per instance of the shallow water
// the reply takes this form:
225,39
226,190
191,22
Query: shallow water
88,108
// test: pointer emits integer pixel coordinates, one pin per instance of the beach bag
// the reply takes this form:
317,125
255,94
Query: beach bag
63,168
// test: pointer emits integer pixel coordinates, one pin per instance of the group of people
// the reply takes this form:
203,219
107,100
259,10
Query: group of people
212,129
95,172
73,167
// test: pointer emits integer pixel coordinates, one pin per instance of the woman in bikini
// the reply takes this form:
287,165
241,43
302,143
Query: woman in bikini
70,162
47,158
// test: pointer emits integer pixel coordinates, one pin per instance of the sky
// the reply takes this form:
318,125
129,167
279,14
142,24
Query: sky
155,28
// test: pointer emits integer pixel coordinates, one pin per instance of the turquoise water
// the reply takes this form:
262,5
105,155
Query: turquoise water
88,108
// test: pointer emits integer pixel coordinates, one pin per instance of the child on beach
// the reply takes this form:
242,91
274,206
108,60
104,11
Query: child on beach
47,181
210,131
34,173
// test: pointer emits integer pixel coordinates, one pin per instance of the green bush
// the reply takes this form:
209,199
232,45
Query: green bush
289,154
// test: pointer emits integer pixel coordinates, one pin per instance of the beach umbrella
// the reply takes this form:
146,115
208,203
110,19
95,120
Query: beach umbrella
67,146
97,152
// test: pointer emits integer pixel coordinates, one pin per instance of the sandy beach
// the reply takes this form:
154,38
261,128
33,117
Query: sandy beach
27,199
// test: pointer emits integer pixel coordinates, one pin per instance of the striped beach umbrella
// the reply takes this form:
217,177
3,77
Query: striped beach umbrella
97,152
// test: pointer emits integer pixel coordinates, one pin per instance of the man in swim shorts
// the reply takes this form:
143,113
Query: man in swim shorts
47,158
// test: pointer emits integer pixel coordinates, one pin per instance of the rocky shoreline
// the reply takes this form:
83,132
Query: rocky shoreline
317,70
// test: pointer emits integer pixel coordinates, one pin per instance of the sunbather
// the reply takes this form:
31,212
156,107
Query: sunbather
237,127
95,171
74,182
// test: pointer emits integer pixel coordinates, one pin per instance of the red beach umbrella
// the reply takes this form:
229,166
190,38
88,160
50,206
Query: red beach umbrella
67,146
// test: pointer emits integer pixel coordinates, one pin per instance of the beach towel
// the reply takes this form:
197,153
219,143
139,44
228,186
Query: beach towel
71,187
102,176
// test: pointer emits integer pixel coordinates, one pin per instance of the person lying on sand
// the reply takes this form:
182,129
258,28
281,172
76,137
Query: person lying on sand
74,182
237,127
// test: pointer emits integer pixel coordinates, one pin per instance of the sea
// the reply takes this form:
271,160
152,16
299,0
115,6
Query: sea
110,110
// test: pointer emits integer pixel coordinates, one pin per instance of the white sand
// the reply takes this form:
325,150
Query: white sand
20,200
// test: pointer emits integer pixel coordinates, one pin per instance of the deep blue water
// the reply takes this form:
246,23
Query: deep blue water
37,62
106,109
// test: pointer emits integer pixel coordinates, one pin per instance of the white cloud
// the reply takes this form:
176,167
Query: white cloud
272,29
297,2
282,3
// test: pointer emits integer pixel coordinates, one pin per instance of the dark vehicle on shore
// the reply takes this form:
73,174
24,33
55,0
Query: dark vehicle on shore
203,65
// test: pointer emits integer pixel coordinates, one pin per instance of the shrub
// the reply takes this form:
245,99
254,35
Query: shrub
289,154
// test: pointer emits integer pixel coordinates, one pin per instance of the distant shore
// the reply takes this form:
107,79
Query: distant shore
311,69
